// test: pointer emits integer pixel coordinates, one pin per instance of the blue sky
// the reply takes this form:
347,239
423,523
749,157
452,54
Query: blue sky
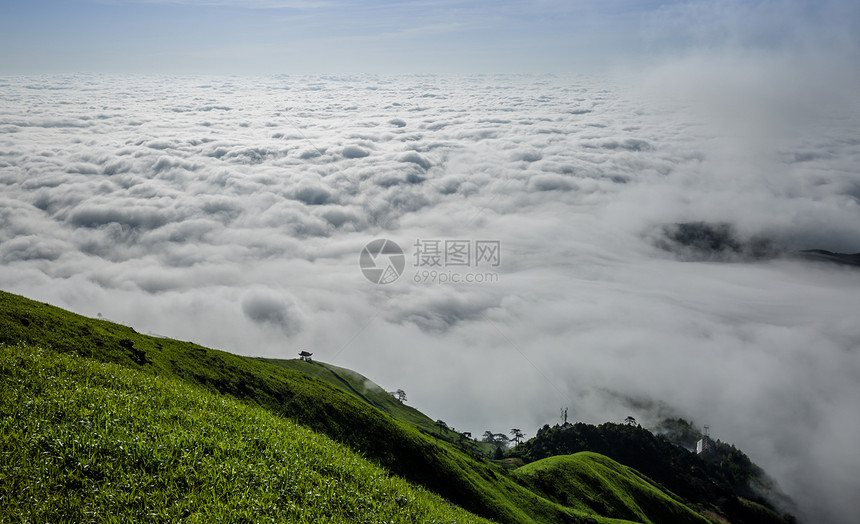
301,36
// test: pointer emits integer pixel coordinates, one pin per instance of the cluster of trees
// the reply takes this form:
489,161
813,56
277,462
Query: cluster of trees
497,439
500,440
445,427
399,395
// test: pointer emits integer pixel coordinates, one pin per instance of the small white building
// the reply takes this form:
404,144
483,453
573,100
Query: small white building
706,446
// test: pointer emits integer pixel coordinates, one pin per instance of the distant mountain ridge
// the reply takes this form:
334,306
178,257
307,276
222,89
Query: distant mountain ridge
821,255
729,484
721,242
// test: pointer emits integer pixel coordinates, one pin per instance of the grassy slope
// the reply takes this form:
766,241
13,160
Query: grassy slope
84,441
477,485
367,391
592,482
360,387
718,486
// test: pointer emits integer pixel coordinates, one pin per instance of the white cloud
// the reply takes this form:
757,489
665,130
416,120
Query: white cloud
232,212
265,306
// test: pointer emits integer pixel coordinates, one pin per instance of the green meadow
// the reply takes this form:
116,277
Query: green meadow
104,424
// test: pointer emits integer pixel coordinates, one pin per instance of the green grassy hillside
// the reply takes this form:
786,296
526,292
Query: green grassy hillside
720,485
369,392
592,482
476,485
359,386
83,441
375,425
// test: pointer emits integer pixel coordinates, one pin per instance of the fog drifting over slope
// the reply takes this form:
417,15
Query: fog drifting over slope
232,211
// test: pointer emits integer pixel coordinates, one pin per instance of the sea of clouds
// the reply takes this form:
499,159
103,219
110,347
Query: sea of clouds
231,211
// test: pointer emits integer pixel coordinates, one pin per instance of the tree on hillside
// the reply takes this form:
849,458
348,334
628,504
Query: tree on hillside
441,425
630,421
489,437
501,440
518,436
399,395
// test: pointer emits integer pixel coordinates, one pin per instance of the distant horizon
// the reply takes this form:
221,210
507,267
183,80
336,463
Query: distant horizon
318,74
440,36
